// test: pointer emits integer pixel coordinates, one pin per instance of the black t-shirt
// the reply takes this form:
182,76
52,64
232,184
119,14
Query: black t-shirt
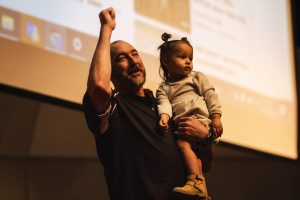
140,162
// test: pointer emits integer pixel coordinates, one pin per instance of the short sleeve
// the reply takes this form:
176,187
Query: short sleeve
97,124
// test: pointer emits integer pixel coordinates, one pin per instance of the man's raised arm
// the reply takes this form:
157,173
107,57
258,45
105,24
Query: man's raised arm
98,85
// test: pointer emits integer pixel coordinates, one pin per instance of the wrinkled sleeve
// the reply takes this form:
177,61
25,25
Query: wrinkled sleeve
97,123
164,105
207,90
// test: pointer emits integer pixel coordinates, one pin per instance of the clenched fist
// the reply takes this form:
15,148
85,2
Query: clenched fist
107,18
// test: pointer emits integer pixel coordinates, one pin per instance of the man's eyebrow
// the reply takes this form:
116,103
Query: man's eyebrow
119,54
116,57
124,54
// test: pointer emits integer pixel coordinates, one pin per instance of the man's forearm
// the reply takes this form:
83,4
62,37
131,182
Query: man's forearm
98,85
100,69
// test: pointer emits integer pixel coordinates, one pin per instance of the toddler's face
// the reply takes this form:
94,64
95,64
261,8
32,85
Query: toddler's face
180,62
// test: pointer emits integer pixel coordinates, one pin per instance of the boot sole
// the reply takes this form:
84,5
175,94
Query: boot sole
183,196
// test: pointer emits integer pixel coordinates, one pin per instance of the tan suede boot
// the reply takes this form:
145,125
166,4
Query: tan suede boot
195,186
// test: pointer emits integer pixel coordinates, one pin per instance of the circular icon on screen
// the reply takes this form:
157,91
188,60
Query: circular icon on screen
77,44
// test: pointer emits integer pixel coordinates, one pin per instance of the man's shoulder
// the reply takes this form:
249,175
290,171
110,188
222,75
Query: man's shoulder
86,102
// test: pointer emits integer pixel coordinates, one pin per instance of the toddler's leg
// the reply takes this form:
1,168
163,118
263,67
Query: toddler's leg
195,185
189,157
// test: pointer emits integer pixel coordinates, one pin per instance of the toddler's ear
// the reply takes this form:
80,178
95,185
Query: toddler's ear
164,60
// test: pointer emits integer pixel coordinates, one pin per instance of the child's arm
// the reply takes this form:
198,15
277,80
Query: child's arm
212,102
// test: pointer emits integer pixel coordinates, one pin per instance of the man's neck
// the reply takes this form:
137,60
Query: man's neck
140,92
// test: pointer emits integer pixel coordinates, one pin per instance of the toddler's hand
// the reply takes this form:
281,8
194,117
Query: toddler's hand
216,126
163,122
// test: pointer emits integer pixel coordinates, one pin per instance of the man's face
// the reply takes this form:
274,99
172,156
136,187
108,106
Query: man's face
128,70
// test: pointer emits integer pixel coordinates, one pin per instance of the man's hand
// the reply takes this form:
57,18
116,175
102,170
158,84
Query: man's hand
163,122
107,18
191,128
216,125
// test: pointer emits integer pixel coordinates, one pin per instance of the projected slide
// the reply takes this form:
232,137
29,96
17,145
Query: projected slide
245,48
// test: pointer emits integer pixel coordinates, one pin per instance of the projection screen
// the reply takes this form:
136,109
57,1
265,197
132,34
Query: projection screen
244,46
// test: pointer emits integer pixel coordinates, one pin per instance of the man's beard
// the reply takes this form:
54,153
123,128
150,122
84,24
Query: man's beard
133,84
